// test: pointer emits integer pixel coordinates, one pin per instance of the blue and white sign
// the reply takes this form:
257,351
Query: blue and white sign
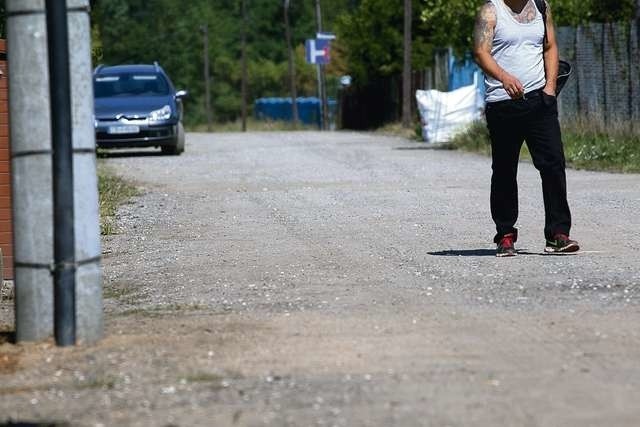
325,36
317,51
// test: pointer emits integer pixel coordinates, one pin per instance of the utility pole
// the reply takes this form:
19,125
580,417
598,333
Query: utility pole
244,65
207,83
322,86
32,173
292,71
406,70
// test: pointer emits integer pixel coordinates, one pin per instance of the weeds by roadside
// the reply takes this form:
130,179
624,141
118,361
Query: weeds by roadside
112,191
253,125
475,139
588,144
164,309
6,290
593,145
413,133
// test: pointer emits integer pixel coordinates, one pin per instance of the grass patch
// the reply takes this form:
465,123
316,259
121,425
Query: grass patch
413,133
107,382
112,191
253,125
163,309
203,377
7,290
588,144
474,139
123,293
593,145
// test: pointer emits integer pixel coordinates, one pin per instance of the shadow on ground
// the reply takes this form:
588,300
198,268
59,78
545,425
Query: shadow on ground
7,337
485,252
33,424
427,146
465,252
120,154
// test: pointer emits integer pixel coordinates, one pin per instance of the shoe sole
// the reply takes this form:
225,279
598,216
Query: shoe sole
564,250
506,254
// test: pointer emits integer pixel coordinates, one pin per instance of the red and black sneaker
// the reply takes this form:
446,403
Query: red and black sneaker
561,244
505,246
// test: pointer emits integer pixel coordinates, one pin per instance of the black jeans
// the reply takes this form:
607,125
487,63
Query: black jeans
533,119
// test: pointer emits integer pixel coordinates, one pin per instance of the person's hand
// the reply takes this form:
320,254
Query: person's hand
549,91
512,85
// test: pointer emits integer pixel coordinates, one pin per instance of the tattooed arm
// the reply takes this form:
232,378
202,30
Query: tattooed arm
483,42
550,55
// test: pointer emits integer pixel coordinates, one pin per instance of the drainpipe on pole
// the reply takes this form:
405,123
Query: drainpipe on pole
64,269
30,168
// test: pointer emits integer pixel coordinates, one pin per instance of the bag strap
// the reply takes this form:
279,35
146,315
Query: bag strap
542,7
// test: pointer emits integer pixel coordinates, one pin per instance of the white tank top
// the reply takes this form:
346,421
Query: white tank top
518,49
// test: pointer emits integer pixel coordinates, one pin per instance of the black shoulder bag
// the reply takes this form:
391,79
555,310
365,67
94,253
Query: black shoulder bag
564,68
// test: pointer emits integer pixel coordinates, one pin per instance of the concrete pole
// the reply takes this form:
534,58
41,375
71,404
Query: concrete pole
29,109
31,168
89,316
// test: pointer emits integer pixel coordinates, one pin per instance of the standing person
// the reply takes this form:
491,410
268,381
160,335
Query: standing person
520,63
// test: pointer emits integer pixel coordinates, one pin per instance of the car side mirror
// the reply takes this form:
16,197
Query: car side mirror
181,94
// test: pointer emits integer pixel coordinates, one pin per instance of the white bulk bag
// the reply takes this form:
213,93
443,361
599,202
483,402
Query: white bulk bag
444,114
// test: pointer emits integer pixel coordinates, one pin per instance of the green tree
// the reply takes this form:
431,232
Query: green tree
579,12
450,22
370,38
168,31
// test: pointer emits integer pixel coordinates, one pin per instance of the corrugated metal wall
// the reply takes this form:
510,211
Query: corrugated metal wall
605,84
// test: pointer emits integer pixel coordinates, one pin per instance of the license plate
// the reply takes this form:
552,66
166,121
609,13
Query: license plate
119,130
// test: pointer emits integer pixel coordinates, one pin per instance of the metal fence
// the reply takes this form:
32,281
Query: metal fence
605,85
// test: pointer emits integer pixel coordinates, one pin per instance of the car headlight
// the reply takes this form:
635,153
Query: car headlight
160,115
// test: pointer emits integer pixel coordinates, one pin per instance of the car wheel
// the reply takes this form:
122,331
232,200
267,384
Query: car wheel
178,147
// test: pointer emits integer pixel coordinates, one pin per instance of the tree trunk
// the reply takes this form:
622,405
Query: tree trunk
244,66
406,72
207,82
292,71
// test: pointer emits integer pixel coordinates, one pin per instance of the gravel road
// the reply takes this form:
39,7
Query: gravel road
345,279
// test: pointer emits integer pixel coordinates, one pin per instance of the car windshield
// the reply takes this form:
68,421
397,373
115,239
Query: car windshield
130,84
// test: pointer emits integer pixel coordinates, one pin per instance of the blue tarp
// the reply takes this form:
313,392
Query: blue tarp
462,71
280,109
